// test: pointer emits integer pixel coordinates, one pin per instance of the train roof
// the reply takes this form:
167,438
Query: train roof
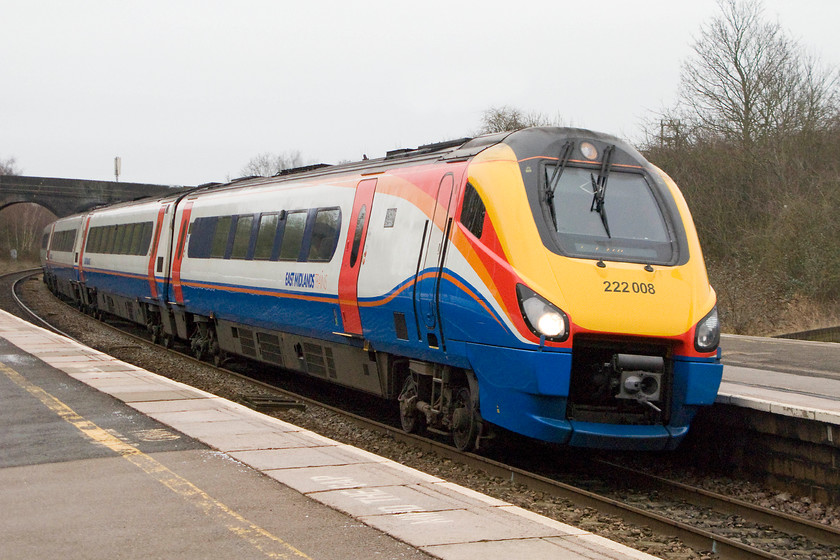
450,150
530,140
525,142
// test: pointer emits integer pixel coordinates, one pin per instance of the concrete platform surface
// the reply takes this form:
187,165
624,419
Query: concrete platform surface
785,377
145,467
802,357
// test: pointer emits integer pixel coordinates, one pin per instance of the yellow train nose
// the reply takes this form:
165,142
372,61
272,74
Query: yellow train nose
624,297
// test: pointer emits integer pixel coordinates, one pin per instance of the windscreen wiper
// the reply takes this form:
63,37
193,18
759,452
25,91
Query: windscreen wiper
599,188
551,185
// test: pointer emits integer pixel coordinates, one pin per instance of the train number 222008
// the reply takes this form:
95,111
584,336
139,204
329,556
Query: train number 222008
628,287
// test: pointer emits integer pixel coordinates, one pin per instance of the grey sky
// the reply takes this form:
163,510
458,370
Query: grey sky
188,92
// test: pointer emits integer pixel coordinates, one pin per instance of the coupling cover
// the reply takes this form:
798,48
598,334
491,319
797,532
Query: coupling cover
640,376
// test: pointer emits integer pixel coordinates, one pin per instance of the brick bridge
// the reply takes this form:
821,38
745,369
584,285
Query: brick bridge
64,197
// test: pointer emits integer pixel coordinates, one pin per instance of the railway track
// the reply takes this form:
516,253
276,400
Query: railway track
9,300
703,520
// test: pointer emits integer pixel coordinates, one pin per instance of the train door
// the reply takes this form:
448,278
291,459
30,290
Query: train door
430,271
80,252
354,250
178,252
157,265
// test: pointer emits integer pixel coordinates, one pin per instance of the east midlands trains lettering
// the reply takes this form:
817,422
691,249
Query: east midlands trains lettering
306,280
548,281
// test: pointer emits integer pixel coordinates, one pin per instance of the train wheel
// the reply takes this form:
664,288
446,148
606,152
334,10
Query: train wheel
410,418
200,343
155,334
466,422
217,355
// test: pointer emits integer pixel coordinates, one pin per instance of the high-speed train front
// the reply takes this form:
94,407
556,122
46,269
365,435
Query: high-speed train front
593,256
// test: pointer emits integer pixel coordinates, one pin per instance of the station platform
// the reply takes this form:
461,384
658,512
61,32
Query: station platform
101,459
795,378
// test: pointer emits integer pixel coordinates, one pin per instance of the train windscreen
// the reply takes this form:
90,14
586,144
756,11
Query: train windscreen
619,220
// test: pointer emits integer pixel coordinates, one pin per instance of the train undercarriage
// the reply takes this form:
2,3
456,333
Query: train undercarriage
433,397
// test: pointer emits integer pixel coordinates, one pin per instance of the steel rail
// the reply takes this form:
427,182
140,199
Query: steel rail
779,520
25,275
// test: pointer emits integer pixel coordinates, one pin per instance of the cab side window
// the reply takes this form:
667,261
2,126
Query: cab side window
473,211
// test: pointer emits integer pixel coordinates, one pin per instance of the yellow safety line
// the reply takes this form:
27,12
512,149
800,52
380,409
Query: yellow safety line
259,538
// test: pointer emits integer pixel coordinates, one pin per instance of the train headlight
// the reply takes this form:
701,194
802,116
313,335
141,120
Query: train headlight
588,150
707,333
542,317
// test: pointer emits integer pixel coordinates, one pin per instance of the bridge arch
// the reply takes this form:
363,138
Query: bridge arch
64,197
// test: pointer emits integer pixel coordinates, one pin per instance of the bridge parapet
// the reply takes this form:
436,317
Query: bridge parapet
64,197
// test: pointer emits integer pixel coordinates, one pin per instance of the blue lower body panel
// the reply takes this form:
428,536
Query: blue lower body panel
626,437
526,391
523,391
696,381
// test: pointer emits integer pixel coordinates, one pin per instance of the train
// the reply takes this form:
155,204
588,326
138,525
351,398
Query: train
547,282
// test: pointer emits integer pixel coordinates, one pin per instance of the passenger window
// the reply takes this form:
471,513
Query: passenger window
112,238
98,234
136,239
118,237
199,243
324,235
128,236
93,234
119,240
220,237
242,237
293,235
473,211
146,240
133,240
182,239
265,237
357,236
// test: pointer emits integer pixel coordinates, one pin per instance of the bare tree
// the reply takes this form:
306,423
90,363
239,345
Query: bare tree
8,167
752,142
748,80
503,119
267,164
21,226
